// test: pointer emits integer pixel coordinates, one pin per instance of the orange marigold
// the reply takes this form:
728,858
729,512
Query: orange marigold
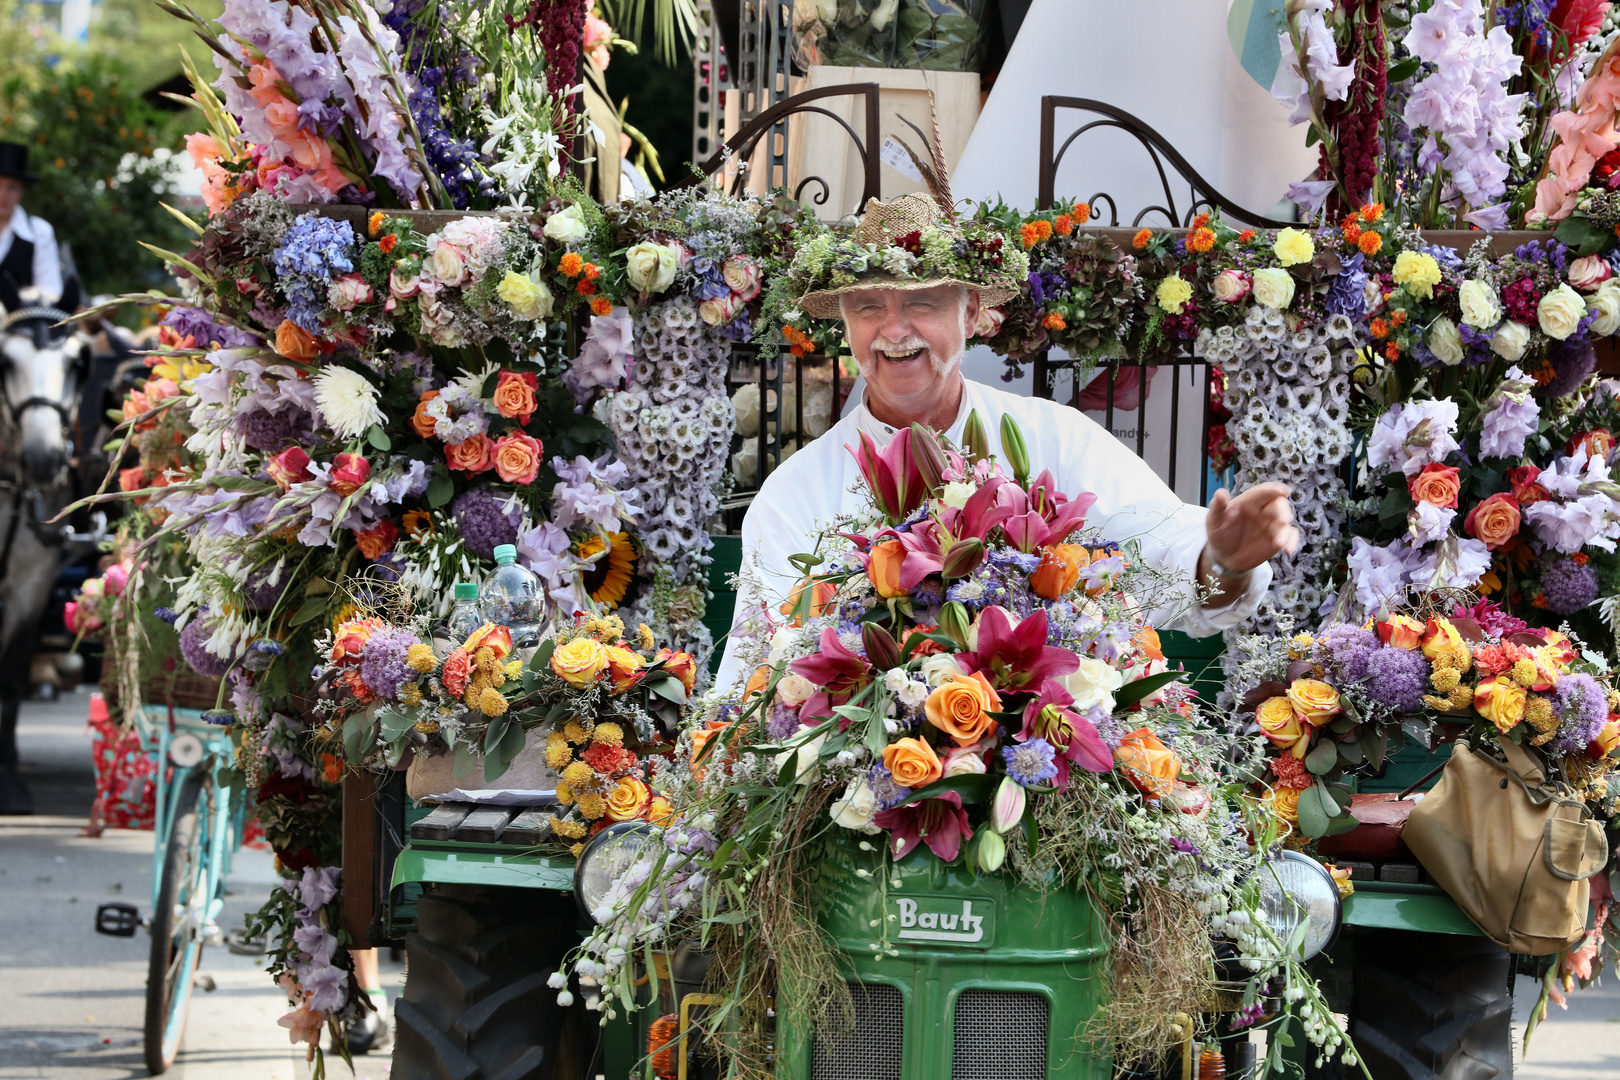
1378,328
1245,236
601,305
570,264
1054,321
585,288
1028,235
1352,232
1580,558
1539,600
1043,228
388,243
592,271
1372,211
1369,243
1201,239
1392,351
1200,221
374,222
1064,225
1142,239
1397,317
1081,212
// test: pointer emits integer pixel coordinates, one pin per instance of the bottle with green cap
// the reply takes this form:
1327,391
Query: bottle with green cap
512,597
465,617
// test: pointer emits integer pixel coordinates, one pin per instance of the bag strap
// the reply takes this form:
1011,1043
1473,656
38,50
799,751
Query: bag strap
1523,762
1523,769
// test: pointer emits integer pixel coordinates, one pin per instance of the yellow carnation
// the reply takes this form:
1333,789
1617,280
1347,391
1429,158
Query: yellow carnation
569,828
1524,672
427,727
592,806
579,775
558,752
1173,293
577,850
490,702
1445,679
1418,273
575,732
645,638
410,695
419,657
608,734
565,794
513,669
1293,246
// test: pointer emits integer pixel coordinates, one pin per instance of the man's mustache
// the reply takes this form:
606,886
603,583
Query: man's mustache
910,344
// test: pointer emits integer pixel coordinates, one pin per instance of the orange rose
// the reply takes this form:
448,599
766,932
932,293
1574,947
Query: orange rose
1281,724
517,458
912,762
421,422
1495,521
1149,764
1401,631
701,737
1314,700
1436,485
1501,701
1059,570
659,810
515,395
624,667
679,664
492,636
350,639
1597,443
132,479
820,596
475,455
1608,737
1147,640
884,567
961,708
378,540
296,343
628,800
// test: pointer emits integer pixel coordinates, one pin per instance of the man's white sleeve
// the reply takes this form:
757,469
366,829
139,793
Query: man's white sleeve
769,536
47,260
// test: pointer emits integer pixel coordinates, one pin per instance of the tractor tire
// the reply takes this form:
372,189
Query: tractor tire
1432,1007
476,1004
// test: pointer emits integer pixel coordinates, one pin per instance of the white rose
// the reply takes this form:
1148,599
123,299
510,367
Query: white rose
794,690
1605,304
1445,342
566,226
650,267
1480,307
938,669
1560,312
1510,340
781,641
964,761
856,807
1588,272
447,264
1093,684
1373,293
956,494
1273,288
1230,286
807,755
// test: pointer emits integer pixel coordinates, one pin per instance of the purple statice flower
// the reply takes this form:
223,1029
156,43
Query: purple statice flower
1017,560
1571,361
1568,586
193,640
1528,17
1347,292
272,432
1398,678
885,791
383,666
1582,708
484,521
1031,762
1511,416
315,250
1344,650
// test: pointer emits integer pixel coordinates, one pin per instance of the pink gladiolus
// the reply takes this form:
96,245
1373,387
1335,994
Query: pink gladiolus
1016,658
940,822
1008,808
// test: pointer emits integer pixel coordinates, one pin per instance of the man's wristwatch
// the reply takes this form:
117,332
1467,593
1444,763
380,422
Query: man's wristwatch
1219,571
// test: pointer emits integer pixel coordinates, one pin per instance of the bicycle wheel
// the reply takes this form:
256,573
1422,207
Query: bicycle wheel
176,935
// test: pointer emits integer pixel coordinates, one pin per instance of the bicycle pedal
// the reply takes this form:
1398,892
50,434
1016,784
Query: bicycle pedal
117,920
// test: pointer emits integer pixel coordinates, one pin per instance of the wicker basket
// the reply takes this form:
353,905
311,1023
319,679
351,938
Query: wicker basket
183,689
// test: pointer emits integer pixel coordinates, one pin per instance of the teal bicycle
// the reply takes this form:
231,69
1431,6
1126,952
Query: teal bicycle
198,827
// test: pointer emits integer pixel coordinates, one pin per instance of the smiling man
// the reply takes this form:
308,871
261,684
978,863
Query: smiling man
909,286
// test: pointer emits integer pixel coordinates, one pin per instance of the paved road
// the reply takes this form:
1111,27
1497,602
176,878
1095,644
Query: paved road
73,999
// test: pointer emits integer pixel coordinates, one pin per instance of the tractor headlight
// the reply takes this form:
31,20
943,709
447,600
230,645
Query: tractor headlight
606,859
1296,891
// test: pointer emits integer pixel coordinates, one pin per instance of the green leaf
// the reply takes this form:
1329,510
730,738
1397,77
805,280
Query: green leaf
440,491
359,735
1397,502
309,610
730,918
973,787
1374,747
1350,753
1313,817
1282,1038
667,687
466,758
494,732
1031,836
1341,824
542,655
1583,235
1322,757
1132,692
378,438
1403,70
394,724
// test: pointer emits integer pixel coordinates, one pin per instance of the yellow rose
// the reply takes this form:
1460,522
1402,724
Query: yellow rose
1417,272
1501,701
1293,246
1273,288
580,661
1481,308
1560,312
528,298
1279,723
1314,700
1149,764
1441,640
1173,293
1283,802
628,800
624,666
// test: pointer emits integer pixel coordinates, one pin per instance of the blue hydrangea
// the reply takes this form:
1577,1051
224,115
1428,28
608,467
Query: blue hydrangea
315,251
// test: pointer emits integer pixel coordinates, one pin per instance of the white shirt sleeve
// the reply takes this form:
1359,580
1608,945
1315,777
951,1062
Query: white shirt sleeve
47,260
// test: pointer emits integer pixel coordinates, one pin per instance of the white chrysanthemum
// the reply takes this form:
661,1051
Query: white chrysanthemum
348,401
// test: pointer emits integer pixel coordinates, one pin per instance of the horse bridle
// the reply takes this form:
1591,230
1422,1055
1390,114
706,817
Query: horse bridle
68,415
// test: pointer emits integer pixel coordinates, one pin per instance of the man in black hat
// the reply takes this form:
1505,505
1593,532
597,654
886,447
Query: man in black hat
28,253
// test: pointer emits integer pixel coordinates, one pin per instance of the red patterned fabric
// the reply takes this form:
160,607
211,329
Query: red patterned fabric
126,797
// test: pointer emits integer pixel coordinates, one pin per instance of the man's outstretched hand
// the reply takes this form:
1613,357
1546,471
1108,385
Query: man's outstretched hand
1246,531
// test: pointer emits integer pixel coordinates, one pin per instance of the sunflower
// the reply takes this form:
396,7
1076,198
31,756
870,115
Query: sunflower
609,578
343,615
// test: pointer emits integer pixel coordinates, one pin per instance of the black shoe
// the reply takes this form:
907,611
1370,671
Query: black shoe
15,798
368,1033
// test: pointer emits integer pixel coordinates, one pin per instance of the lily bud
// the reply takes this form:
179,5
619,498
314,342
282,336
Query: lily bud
953,619
1008,809
963,558
930,458
992,852
1013,448
881,648
975,440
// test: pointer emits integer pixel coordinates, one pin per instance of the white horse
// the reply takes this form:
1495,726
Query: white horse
41,366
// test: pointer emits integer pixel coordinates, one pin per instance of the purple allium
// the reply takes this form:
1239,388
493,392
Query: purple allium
1344,650
1031,762
484,522
192,640
1568,586
272,432
1572,362
260,594
887,793
1582,708
1397,678
784,722
383,666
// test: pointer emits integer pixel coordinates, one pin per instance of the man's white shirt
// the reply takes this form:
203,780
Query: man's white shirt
822,481
47,259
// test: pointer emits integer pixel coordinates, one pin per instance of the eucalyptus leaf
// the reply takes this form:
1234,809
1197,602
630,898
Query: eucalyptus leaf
1313,817
1323,756
441,489
378,438
394,724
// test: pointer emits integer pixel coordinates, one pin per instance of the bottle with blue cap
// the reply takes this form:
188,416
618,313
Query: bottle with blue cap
512,597
465,617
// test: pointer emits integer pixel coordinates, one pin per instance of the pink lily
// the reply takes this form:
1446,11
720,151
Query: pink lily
891,474
1050,717
940,822
981,513
1016,658
834,671
1031,530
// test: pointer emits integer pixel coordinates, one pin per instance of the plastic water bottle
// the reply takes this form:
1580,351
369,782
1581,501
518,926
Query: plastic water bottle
512,597
465,617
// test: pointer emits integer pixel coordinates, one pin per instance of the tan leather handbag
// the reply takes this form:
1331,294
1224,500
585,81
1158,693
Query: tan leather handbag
1511,847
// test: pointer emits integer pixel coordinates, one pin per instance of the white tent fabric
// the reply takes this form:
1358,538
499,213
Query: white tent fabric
1169,63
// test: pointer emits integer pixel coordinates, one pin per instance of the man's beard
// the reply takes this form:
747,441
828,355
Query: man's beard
942,365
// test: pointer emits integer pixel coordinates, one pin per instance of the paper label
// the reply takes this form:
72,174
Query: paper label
895,157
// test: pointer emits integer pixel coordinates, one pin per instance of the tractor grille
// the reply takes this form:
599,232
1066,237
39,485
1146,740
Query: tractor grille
872,1050
999,1036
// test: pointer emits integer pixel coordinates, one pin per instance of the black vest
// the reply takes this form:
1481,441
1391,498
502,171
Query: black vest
19,262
